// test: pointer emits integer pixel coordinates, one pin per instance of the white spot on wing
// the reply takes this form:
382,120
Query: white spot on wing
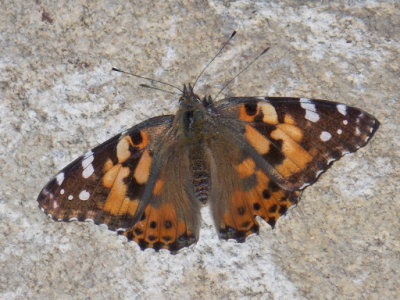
325,136
305,100
84,195
70,197
358,132
312,116
87,154
60,178
339,131
342,109
55,204
311,111
73,219
88,171
62,191
345,122
87,161
306,104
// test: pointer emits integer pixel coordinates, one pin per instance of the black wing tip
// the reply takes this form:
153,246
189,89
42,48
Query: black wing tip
375,127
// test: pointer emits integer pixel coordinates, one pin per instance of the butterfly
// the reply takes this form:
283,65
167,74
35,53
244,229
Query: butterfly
246,156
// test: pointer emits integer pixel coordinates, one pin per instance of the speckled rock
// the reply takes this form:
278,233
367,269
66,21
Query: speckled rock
59,98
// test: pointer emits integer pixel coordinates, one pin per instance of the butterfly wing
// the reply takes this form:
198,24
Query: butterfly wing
300,137
241,190
134,183
106,184
171,218
286,144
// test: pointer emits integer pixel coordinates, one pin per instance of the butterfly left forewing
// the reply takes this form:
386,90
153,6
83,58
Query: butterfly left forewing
106,184
299,137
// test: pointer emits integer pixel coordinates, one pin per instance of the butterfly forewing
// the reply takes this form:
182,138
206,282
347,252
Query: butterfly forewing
107,183
300,137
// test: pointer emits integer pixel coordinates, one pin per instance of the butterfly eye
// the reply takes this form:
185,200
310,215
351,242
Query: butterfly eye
195,98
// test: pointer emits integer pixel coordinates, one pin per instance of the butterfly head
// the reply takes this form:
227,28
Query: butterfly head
189,99
192,113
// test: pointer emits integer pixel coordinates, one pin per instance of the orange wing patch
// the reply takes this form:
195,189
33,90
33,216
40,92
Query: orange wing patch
115,177
277,142
249,112
265,199
142,170
257,140
160,228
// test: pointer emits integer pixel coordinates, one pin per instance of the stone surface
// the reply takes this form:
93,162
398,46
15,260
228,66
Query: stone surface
58,98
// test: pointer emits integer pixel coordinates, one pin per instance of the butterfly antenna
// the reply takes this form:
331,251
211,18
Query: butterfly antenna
156,88
147,78
244,69
216,55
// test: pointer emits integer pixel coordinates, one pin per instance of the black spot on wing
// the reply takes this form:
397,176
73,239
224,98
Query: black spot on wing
136,137
251,108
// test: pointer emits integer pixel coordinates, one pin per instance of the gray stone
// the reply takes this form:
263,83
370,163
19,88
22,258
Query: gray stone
59,98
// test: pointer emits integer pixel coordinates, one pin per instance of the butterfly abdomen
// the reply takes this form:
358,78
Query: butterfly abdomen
199,173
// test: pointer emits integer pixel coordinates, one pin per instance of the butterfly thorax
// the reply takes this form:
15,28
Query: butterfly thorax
191,118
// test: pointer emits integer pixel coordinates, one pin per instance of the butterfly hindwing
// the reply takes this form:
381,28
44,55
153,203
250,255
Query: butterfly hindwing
241,190
300,137
171,218
106,184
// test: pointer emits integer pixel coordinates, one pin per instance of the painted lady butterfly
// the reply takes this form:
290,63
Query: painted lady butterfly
247,156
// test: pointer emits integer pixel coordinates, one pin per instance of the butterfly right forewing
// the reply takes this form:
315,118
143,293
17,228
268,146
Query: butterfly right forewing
299,137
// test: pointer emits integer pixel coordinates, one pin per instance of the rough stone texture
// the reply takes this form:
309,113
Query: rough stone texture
59,98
